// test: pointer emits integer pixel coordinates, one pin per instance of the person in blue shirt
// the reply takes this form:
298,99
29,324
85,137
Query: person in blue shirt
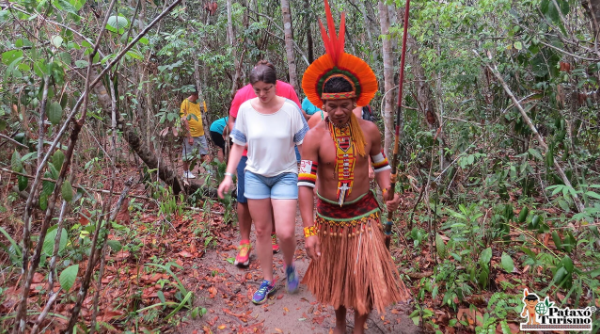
218,135
308,107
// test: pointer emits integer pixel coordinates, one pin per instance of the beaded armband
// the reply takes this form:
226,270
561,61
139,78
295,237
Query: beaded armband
380,163
310,231
307,176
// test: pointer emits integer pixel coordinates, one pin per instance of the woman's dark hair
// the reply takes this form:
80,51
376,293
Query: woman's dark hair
263,71
337,85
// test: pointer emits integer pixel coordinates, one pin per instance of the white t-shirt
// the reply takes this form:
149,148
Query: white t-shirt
270,138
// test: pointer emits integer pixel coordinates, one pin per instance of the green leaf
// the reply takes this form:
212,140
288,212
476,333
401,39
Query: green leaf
23,182
550,157
54,113
536,154
592,194
557,241
65,5
81,63
15,162
161,296
114,244
144,41
568,264
43,202
559,275
68,276
67,191
507,263
57,159
523,215
53,173
117,24
518,45
48,246
135,55
56,41
9,56
440,246
485,257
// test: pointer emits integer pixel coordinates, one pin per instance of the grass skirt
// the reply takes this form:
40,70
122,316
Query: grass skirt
355,268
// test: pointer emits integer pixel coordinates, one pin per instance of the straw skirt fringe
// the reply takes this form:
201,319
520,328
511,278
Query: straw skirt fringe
355,268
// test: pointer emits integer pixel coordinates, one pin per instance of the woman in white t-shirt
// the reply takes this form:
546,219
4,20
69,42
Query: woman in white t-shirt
270,126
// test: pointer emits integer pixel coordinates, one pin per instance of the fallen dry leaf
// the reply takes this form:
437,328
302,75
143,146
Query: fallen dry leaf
185,254
213,291
37,278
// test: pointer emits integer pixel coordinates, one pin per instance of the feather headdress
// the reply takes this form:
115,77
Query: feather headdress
336,62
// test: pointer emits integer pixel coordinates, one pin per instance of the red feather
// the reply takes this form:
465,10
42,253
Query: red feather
334,44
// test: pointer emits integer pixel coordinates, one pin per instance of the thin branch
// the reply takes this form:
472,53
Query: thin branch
76,187
12,141
540,139
281,29
569,53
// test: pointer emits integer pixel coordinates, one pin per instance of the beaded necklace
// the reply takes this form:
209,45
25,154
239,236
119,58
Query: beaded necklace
345,159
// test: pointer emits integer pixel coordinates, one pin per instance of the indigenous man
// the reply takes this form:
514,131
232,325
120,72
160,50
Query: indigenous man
350,267
194,143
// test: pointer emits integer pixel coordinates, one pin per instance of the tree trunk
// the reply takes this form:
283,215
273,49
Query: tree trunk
309,39
231,40
289,42
425,97
388,75
592,9
204,114
136,143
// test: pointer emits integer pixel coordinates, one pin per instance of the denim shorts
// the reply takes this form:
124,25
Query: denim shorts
282,186
241,180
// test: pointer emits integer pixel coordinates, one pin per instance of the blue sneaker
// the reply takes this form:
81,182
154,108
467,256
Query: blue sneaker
291,279
261,295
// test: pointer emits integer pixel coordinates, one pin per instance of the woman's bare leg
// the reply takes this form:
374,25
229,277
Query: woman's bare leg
284,211
260,211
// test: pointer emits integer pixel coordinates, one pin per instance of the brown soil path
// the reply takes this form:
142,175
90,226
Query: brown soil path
227,296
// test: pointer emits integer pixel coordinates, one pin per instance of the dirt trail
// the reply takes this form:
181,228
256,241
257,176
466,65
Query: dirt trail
231,311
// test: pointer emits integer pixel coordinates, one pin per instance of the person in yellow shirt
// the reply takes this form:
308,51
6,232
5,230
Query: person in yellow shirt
194,143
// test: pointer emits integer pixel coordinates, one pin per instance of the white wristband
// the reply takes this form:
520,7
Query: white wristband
228,174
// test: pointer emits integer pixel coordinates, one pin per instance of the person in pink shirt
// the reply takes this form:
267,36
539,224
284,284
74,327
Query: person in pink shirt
245,221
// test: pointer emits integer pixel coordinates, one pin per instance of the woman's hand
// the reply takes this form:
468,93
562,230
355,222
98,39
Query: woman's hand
313,247
225,186
190,140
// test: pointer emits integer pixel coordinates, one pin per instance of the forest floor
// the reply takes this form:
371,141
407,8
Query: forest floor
231,309
162,251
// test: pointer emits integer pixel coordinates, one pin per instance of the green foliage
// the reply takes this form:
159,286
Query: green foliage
67,277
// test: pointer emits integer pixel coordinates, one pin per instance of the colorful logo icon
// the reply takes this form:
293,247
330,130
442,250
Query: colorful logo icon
545,316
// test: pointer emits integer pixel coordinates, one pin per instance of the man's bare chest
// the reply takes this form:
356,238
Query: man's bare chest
329,154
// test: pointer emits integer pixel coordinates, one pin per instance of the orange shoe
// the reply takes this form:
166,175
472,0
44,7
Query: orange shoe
243,257
274,243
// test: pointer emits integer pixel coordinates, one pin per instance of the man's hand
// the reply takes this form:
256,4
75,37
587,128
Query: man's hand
313,247
371,173
392,204
190,140
225,186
